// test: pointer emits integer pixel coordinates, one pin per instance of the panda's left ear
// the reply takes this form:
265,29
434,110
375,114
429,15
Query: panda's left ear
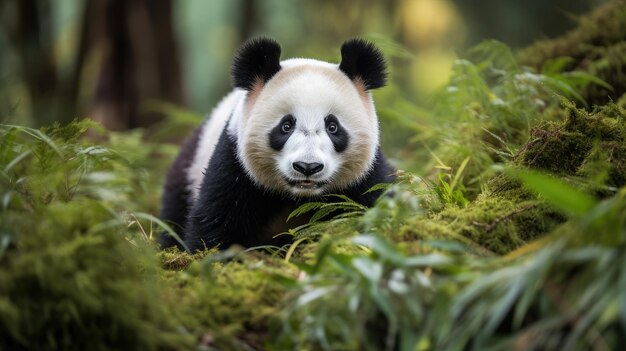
360,59
258,59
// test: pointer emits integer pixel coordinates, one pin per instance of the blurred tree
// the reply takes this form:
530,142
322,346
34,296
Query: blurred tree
249,19
139,60
27,28
126,46
519,23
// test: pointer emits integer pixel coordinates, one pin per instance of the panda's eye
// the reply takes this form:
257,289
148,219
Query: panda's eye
332,127
286,127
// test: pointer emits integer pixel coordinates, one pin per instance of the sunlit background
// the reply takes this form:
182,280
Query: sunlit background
118,62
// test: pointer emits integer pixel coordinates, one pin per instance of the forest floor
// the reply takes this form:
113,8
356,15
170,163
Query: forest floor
511,235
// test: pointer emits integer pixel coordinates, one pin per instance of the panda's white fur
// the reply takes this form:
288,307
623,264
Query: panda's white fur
289,132
209,135
309,90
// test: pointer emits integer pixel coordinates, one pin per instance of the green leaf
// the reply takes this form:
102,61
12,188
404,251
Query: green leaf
163,225
16,160
584,78
556,65
377,187
561,195
430,260
304,208
321,214
563,87
292,248
381,247
459,172
370,269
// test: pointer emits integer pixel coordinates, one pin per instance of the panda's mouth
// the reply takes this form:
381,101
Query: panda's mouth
306,183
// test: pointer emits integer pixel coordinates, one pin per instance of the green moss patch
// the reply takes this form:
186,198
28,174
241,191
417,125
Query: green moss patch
230,305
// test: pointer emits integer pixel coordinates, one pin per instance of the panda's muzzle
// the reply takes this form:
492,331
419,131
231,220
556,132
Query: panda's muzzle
307,169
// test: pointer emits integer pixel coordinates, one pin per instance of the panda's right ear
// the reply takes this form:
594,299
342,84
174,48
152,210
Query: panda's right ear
258,59
361,60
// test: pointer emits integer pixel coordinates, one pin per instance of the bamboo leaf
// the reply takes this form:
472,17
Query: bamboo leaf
304,208
556,192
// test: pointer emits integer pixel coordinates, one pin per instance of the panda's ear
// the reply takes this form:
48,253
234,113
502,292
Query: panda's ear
360,59
258,59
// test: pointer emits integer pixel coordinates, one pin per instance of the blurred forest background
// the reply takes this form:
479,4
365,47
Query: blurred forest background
126,63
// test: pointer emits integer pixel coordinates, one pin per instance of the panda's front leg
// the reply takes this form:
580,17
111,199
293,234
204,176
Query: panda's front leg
230,208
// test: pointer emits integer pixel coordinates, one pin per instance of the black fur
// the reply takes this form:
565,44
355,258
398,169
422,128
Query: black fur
361,59
339,138
258,58
231,209
278,137
176,196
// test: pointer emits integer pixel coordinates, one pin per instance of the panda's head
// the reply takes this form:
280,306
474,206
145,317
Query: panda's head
307,127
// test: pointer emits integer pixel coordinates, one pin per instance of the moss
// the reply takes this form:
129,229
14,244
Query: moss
590,145
417,230
501,225
553,149
174,259
227,305
504,217
597,46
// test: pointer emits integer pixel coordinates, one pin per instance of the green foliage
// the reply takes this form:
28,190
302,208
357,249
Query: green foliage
72,276
382,299
486,113
452,192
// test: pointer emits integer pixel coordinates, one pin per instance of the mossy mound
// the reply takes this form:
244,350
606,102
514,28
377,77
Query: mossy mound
587,149
597,46
496,222
591,146
500,224
230,305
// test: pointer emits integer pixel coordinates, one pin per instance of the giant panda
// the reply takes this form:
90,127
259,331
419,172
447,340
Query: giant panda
290,132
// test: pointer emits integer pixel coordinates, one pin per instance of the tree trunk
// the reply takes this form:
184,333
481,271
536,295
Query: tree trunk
132,44
139,63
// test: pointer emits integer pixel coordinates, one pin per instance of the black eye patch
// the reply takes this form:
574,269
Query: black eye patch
281,132
337,134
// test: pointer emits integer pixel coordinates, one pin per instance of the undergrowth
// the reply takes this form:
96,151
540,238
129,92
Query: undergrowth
508,230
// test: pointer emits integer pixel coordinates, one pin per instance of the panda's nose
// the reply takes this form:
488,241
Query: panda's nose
307,169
